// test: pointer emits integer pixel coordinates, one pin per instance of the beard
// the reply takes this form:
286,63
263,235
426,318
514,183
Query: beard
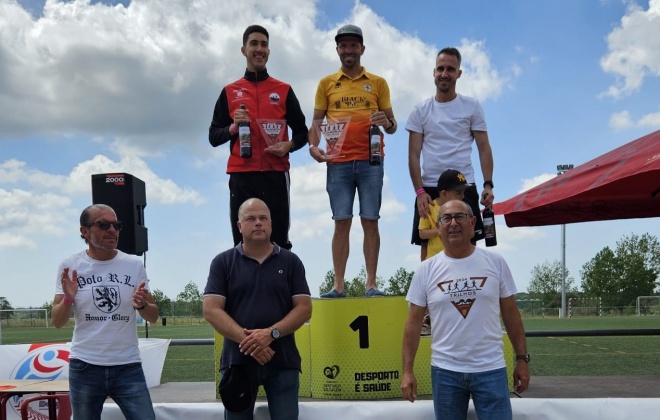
103,246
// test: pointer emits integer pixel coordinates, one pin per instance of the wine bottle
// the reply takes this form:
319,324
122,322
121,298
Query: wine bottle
244,138
489,227
374,145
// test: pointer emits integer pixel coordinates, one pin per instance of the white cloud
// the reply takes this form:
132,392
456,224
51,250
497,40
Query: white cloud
8,240
530,183
622,120
634,49
42,203
148,75
479,79
651,120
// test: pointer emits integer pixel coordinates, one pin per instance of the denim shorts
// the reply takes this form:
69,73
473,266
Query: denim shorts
489,391
342,181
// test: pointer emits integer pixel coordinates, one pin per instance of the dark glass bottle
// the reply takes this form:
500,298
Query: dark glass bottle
244,138
489,227
374,145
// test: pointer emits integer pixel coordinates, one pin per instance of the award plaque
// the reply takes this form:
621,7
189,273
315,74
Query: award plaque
272,130
334,132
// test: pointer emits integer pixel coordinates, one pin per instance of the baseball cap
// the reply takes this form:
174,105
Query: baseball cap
235,390
349,30
452,180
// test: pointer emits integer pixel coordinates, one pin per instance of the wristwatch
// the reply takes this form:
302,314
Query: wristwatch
274,333
489,183
526,357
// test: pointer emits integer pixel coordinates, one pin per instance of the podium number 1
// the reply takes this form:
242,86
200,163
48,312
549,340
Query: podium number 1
361,323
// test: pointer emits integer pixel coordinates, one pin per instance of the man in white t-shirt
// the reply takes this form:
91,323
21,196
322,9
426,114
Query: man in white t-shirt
105,287
466,289
441,131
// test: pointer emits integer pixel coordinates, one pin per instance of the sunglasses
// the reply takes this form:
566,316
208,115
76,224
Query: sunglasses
103,225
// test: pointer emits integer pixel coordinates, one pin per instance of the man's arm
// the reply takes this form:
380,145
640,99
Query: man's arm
486,160
297,316
220,131
516,332
411,334
214,313
391,126
295,118
415,168
142,296
61,312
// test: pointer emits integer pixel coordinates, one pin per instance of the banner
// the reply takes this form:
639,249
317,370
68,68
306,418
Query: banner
50,361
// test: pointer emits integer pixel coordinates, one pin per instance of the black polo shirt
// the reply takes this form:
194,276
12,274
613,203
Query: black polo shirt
258,296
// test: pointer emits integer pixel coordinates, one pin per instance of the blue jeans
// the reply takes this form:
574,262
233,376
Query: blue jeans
90,385
281,386
489,390
342,181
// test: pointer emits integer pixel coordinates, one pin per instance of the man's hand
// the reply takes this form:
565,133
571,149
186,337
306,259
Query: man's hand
264,355
409,386
487,196
423,203
241,116
319,154
255,341
69,284
141,296
280,149
521,377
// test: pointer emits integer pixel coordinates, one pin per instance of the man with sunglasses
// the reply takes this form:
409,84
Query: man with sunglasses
466,290
106,287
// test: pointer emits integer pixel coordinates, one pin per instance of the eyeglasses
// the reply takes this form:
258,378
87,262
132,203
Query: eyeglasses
103,225
446,219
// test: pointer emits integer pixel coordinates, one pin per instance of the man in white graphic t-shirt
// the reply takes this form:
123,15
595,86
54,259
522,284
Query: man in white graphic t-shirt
105,287
466,289
442,130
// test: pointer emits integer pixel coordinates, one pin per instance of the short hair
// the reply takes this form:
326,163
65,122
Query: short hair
451,51
466,205
85,215
248,202
252,29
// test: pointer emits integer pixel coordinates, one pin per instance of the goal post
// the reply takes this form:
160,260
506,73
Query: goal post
648,305
34,317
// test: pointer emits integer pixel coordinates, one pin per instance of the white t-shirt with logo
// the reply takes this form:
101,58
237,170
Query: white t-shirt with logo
447,128
463,297
105,332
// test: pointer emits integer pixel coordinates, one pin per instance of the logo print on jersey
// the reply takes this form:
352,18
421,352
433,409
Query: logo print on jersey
106,298
463,292
274,98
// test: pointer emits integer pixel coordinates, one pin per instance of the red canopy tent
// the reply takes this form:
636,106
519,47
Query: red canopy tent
621,184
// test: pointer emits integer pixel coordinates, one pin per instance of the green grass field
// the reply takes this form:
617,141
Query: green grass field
551,356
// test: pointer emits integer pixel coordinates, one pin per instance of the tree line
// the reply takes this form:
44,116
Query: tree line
617,276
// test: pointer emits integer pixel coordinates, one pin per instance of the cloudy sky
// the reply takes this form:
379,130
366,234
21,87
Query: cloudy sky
91,87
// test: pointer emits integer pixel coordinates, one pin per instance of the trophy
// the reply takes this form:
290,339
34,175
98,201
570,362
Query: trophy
334,132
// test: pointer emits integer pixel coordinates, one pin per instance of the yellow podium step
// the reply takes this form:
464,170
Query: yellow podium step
351,349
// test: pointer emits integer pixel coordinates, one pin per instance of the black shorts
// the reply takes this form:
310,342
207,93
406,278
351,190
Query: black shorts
471,197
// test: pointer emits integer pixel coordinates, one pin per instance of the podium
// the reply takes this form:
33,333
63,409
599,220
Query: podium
351,350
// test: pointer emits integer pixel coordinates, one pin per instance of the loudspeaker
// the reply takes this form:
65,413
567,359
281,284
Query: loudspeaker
127,196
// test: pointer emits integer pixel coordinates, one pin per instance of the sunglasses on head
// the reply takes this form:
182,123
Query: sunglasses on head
103,225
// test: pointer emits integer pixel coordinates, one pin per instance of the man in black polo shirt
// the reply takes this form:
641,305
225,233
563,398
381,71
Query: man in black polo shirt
257,296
